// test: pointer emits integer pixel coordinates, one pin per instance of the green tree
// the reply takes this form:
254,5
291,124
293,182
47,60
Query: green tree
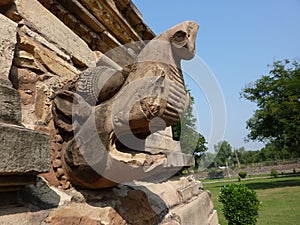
199,149
224,153
239,155
191,141
277,118
272,153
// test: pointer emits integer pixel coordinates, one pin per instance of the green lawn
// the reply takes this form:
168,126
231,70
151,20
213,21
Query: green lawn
280,199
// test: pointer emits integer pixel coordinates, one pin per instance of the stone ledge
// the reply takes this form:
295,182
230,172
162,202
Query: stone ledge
134,17
137,204
23,151
10,183
198,211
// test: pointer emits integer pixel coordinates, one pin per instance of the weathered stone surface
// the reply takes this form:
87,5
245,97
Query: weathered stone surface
36,72
36,56
8,39
162,141
134,18
139,203
183,199
23,150
213,218
24,81
27,60
115,206
92,214
83,14
187,191
170,192
103,12
85,25
40,39
135,209
78,220
43,195
198,211
10,109
39,18
21,215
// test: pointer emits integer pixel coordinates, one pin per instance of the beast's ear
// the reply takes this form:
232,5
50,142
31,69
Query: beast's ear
179,39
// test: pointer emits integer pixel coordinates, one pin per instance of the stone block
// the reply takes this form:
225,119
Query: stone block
43,56
23,151
179,159
21,215
198,211
76,213
9,103
188,192
8,39
122,206
162,141
40,39
172,192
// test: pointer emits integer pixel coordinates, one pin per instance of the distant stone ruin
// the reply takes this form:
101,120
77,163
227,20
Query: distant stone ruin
88,97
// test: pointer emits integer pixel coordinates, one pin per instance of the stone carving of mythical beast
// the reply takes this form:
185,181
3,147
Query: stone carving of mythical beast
103,123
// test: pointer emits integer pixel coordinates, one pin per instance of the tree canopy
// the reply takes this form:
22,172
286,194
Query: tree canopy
191,141
277,118
224,153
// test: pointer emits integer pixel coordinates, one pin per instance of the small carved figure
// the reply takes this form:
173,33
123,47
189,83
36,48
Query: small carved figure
105,120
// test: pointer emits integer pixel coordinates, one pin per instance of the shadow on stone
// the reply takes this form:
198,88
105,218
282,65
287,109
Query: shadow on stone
134,205
40,195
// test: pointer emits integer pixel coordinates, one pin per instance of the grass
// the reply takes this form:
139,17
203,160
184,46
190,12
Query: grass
280,199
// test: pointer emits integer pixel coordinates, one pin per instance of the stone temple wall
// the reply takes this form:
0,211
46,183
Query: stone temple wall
44,46
56,40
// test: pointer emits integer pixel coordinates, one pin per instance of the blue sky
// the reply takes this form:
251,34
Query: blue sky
237,40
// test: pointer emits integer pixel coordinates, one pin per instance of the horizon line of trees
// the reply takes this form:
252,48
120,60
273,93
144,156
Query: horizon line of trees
276,122
226,155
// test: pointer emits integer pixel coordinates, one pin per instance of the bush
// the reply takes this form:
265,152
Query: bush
184,172
240,204
242,174
274,173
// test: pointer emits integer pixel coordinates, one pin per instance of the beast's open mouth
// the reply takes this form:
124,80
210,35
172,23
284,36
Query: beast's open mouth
141,157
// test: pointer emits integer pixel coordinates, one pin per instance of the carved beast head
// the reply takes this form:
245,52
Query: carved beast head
111,143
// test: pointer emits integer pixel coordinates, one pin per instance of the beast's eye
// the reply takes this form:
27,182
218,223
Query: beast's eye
179,35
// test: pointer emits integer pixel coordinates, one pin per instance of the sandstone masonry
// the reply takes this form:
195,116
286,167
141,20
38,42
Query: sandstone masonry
44,46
